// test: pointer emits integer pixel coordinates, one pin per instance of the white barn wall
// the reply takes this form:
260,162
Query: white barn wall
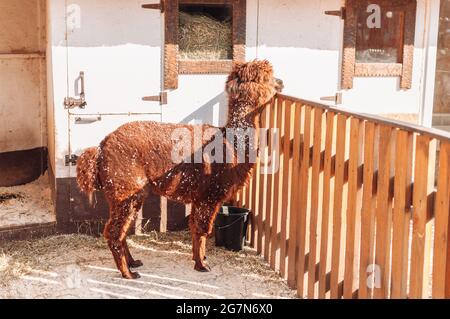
302,43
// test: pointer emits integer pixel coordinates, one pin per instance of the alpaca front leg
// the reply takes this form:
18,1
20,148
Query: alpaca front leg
198,244
201,223
199,252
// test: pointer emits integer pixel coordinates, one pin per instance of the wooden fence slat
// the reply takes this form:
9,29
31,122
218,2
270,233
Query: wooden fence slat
253,186
278,189
239,198
261,184
251,205
367,212
302,232
248,205
289,116
268,191
295,201
401,214
325,227
383,214
353,208
337,206
420,202
317,149
441,261
429,225
443,205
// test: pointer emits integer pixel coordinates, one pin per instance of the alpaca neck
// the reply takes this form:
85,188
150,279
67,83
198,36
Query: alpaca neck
241,115
242,121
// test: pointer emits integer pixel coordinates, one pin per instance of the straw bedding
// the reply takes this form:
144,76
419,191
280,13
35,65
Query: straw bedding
242,274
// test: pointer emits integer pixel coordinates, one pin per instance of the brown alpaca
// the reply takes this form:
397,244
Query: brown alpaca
139,156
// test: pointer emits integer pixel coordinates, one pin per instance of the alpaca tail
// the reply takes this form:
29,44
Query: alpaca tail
87,172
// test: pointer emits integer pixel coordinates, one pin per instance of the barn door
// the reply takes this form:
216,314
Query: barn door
114,68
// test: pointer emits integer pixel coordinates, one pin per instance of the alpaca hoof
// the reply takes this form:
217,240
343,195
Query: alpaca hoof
202,268
204,258
132,275
136,264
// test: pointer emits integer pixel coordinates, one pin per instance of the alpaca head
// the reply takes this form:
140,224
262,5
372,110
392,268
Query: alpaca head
252,83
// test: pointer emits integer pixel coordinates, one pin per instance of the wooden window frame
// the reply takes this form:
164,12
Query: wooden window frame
352,69
173,66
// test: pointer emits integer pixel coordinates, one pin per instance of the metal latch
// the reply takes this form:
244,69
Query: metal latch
71,160
72,102
155,6
161,98
338,13
337,98
87,119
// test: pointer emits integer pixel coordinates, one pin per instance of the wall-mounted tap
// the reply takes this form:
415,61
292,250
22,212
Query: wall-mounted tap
71,102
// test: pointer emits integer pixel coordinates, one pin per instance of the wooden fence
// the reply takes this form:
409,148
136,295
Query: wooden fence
359,207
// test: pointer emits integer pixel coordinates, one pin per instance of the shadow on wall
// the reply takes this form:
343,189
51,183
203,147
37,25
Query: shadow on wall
214,112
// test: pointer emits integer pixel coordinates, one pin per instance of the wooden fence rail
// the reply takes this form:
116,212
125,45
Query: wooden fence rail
359,207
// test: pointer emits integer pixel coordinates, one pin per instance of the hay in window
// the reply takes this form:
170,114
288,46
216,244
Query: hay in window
205,34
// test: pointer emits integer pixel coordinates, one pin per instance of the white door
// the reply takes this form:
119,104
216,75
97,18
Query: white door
117,46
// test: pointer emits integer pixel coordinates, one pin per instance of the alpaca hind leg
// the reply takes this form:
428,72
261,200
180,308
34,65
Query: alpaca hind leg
117,247
136,205
132,263
122,216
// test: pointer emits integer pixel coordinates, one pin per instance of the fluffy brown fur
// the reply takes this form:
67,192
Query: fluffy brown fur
138,156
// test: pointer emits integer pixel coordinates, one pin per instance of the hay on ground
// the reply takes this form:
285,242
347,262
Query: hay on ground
17,258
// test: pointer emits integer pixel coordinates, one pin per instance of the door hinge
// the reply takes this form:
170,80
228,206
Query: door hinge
337,98
154,6
338,13
161,98
71,159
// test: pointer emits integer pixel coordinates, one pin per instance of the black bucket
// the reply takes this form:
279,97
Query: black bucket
231,227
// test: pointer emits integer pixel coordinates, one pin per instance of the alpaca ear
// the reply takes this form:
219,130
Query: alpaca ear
232,87
237,64
236,67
